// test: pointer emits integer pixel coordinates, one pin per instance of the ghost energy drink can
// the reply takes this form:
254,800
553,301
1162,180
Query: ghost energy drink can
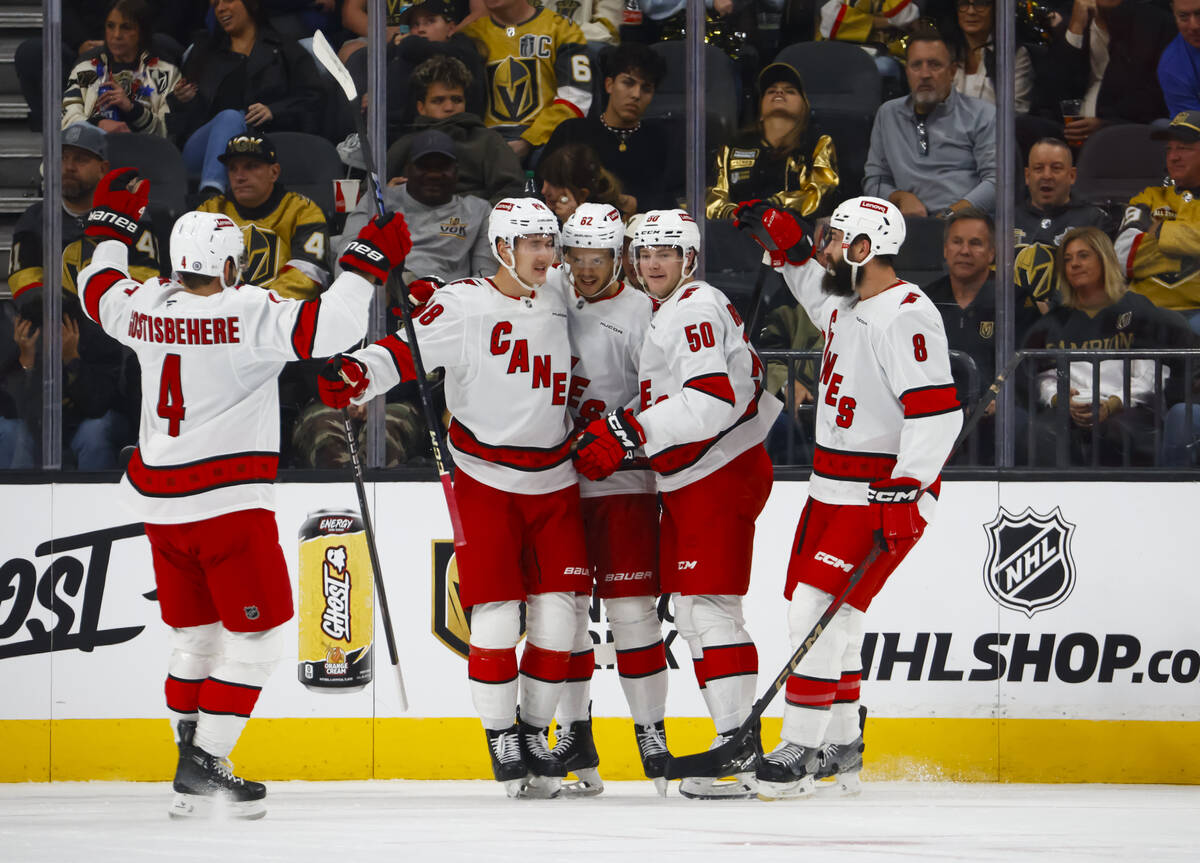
337,602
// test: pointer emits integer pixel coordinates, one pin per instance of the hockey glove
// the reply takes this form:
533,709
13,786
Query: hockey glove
420,290
896,502
606,442
381,245
115,209
342,378
787,240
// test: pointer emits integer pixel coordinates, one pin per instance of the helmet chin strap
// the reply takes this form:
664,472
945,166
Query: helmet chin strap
684,275
224,268
512,269
615,277
856,265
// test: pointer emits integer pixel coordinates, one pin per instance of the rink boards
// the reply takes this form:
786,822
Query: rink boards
1039,632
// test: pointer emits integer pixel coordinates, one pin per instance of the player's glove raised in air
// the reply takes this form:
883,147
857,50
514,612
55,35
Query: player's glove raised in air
342,378
420,290
896,502
381,245
115,209
787,239
606,442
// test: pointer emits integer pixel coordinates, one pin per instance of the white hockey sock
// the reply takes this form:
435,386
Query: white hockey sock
229,694
812,687
843,721
549,634
641,657
727,666
577,691
492,663
194,653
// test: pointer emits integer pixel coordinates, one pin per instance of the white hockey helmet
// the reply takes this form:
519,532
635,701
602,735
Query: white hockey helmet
668,228
201,243
520,217
594,226
880,221
635,222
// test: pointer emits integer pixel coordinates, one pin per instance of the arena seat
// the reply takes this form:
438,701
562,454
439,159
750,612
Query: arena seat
837,75
308,165
1117,162
721,97
157,160
920,259
851,134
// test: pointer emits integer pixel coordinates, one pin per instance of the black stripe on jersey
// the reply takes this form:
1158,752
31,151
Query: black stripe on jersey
692,457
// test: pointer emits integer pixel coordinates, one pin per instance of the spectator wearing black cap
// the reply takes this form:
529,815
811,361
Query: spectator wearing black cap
1160,236
639,152
780,159
287,239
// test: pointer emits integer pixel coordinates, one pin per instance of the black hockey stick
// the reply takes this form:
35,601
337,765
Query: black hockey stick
325,54
716,762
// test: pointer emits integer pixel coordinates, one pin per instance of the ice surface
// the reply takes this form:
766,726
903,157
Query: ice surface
401,821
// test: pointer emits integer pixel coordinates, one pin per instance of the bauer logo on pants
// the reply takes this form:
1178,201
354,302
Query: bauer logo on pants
1029,566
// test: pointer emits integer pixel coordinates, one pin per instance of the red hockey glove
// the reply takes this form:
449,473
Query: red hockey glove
896,501
115,209
381,245
787,240
420,290
606,442
342,378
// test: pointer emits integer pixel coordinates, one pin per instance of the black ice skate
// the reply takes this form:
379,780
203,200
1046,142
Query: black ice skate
842,762
787,772
546,771
736,781
652,746
185,731
508,765
576,749
205,786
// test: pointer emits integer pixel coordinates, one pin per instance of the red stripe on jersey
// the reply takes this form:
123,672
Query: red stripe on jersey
717,386
18,292
95,289
848,687
203,475
570,105
227,699
183,696
698,667
401,356
730,660
929,401
837,22
487,665
1137,241
810,692
833,464
581,666
304,333
642,661
896,10
676,458
516,457
549,666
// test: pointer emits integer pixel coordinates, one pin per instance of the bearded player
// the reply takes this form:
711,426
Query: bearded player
887,417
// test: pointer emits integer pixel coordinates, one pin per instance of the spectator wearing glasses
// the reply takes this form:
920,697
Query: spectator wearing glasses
973,41
933,152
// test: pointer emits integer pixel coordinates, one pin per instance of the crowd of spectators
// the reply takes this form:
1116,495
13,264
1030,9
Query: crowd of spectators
581,101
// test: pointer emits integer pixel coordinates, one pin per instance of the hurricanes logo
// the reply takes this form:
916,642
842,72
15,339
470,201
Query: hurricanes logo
514,89
1029,566
451,625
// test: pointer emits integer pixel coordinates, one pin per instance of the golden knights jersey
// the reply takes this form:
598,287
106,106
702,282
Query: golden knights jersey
606,339
597,19
286,242
508,367
1164,268
208,442
854,20
886,405
701,401
538,73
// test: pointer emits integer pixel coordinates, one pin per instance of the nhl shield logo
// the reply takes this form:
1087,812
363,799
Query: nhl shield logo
1029,566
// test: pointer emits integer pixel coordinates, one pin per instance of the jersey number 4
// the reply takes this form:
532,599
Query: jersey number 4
170,395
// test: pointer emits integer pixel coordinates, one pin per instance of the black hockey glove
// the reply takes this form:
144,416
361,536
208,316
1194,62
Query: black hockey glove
116,209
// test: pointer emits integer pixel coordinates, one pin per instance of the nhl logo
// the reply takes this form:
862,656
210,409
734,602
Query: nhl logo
1029,566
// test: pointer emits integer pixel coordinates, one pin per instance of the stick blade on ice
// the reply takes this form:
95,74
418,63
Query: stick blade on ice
325,54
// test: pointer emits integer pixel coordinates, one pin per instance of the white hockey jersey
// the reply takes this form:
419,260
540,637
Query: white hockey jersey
508,365
887,405
208,441
700,396
606,340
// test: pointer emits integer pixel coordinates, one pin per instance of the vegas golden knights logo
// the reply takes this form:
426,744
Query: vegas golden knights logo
451,625
262,251
514,89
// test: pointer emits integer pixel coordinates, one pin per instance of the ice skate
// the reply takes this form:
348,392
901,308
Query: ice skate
736,782
652,746
838,766
546,771
508,765
206,787
787,772
185,731
576,749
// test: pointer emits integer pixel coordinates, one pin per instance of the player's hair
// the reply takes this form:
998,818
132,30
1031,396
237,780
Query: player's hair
1051,141
927,33
140,13
970,213
636,58
576,167
195,281
442,69
1115,285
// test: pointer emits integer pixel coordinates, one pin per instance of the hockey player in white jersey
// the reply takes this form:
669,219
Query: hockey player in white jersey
887,417
211,350
608,321
504,345
701,417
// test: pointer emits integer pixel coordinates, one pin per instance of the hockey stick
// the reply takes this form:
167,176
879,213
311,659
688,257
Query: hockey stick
324,53
716,762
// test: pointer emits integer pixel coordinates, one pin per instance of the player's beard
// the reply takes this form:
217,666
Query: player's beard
839,283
